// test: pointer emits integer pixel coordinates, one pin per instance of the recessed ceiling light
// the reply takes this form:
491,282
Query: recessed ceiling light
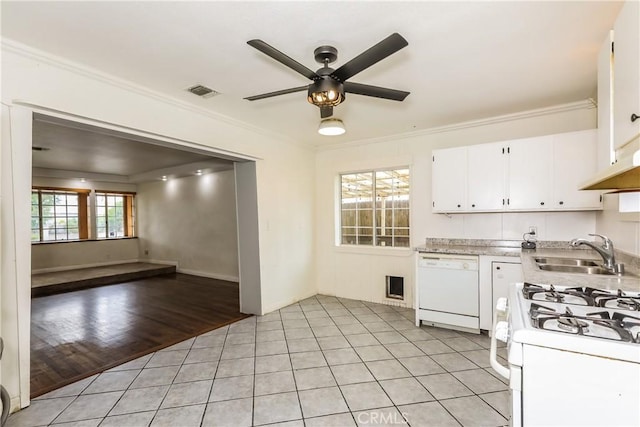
164,177
199,172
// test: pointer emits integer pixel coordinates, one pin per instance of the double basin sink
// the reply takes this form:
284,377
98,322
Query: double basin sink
573,265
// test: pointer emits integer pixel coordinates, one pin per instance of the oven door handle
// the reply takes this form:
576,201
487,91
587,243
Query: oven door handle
499,328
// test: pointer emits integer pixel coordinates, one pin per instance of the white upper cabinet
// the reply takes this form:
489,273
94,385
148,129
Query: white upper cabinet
574,162
532,174
530,168
626,73
468,179
605,103
449,179
486,177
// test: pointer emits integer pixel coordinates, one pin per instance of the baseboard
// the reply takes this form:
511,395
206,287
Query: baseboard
208,275
287,302
80,266
159,261
15,406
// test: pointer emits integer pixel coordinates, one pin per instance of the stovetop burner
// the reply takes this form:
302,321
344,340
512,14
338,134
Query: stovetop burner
601,324
585,296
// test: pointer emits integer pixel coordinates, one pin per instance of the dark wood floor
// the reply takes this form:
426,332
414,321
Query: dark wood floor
77,334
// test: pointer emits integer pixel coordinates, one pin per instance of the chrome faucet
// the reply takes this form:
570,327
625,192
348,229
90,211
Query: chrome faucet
605,251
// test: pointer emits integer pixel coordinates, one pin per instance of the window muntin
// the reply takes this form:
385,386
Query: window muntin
374,208
55,215
114,215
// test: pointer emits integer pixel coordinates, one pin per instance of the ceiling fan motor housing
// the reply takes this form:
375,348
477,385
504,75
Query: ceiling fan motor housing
325,54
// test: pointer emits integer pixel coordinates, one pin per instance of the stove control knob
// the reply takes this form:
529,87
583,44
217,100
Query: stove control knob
502,331
502,305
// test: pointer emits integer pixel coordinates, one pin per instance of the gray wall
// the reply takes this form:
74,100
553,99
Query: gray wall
192,222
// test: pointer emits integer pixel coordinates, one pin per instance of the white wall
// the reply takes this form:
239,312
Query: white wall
284,169
192,222
359,272
622,229
50,257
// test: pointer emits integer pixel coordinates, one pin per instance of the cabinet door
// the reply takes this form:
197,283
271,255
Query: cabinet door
626,66
574,162
605,104
503,274
530,173
486,177
449,179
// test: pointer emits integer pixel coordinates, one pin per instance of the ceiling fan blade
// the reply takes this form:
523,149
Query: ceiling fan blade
378,92
282,58
276,93
326,112
376,53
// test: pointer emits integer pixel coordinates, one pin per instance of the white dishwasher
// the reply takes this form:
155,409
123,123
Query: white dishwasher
447,293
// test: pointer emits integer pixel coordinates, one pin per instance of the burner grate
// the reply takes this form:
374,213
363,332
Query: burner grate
597,324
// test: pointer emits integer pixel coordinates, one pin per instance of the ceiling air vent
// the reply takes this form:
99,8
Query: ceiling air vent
203,91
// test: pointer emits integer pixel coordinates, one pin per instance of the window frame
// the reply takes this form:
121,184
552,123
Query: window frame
128,213
87,218
377,211
81,194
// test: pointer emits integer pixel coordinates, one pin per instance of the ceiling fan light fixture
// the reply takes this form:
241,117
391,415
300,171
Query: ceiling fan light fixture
326,93
331,127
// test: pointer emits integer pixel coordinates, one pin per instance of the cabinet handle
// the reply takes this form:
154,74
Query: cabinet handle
458,205
634,117
473,206
561,202
541,203
497,268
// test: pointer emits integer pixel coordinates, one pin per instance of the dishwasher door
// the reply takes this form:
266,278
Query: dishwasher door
448,290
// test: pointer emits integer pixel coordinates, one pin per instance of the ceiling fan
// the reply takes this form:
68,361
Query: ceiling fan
329,86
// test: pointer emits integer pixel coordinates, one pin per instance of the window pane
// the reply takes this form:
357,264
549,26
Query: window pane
375,201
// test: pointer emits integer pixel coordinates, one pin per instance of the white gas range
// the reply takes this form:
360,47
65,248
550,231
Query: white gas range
573,353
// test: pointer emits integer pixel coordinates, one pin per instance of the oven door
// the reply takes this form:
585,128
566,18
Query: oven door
513,372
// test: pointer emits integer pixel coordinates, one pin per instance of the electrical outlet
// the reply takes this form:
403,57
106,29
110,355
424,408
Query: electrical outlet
533,230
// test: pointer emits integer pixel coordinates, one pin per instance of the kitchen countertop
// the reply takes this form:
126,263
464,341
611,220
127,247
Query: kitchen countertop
470,250
531,272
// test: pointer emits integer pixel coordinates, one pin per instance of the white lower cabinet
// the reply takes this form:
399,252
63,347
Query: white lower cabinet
496,274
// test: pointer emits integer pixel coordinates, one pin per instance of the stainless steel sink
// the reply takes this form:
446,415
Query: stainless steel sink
584,269
567,261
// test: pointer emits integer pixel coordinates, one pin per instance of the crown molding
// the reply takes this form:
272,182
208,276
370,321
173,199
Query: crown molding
586,104
95,74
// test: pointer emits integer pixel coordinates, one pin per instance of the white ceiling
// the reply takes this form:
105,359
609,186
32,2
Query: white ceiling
64,149
465,60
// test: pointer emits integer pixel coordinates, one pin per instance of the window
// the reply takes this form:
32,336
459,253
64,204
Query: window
61,214
114,215
58,215
374,208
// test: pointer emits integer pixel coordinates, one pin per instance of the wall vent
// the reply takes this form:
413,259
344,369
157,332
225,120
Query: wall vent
395,287
203,91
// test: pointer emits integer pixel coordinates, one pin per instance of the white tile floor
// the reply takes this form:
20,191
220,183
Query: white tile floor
324,361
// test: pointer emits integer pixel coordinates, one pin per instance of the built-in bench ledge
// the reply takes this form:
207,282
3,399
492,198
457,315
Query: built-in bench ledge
43,284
